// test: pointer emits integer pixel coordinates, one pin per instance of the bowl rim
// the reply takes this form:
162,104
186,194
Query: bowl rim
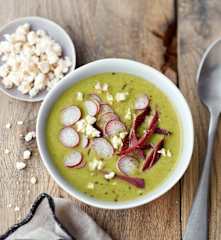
164,187
55,25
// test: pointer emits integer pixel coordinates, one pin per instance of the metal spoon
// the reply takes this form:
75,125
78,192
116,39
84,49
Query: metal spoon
209,90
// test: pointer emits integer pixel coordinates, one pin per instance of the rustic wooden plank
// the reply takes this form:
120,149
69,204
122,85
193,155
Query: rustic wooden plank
198,26
139,30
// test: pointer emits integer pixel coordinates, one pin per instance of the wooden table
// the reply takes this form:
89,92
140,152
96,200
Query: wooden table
143,30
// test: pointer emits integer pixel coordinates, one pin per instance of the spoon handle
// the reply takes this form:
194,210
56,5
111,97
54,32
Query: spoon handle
197,226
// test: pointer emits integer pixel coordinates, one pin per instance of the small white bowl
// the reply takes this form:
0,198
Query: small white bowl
55,32
138,69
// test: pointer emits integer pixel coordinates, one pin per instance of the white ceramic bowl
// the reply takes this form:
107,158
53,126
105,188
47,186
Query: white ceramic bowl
138,69
55,32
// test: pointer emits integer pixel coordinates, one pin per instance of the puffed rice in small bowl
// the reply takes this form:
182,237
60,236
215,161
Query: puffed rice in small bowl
35,54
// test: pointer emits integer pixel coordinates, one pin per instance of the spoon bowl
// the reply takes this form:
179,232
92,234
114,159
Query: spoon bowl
209,77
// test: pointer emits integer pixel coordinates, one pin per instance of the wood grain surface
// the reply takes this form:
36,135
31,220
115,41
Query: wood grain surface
143,30
198,26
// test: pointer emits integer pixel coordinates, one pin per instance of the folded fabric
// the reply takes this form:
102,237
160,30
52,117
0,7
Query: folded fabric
55,219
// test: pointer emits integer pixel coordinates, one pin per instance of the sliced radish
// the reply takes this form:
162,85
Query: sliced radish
73,159
137,182
141,102
69,137
70,115
84,141
94,96
105,118
81,164
91,107
102,147
114,127
104,108
127,165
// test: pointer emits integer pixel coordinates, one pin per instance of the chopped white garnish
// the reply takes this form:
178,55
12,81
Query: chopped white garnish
27,154
109,175
116,142
90,185
20,122
96,165
121,96
26,54
29,136
122,135
98,86
17,209
79,96
85,126
33,180
20,165
90,131
162,151
109,98
7,151
90,120
169,154
128,114
8,125
105,87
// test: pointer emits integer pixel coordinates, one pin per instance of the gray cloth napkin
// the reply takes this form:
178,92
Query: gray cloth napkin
53,219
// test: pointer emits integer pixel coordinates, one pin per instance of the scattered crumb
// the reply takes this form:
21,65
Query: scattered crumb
98,86
7,151
9,205
162,151
28,192
109,175
20,165
33,180
90,185
169,154
29,136
17,209
79,96
105,87
8,125
20,135
27,154
20,122
114,183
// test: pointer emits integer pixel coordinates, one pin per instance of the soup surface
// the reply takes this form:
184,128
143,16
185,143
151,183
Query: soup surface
99,158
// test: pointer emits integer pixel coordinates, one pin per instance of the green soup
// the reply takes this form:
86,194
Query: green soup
114,189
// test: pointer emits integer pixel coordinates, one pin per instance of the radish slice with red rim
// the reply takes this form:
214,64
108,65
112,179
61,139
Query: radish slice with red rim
127,165
69,137
91,107
102,147
141,102
104,108
81,164
84,141
114,127
105,118
94,96
73,159
70,115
